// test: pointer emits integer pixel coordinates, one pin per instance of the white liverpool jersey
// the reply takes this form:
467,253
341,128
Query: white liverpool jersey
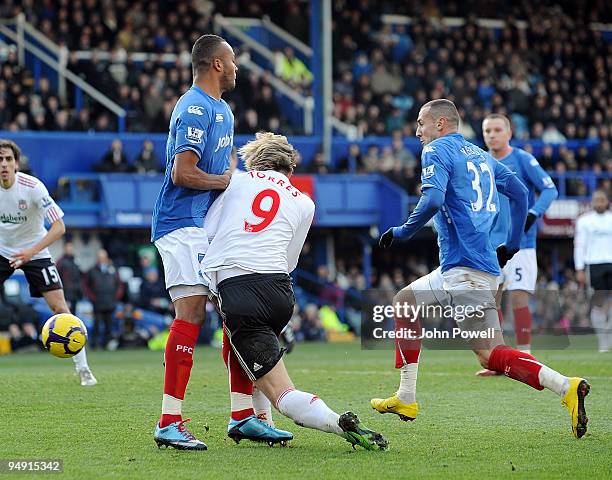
23,209
259,224
593,239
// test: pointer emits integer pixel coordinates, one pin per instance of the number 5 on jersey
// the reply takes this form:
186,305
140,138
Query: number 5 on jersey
266,215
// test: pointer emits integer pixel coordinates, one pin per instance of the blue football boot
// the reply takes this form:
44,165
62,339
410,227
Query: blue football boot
251,428
178,436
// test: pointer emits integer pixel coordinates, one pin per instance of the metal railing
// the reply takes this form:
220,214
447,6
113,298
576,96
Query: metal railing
19,37
234,27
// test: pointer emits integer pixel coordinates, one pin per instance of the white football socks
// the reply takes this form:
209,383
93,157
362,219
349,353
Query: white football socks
599,322
524,348
309,411
80,361
553,380
408,378
240,401
171,405
262,407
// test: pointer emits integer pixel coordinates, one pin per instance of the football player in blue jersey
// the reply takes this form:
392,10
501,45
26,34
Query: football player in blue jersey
460,185
198,152
197,161
520,273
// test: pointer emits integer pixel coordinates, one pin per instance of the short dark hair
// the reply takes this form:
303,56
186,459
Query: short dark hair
5,143
443,108
204,50
499,116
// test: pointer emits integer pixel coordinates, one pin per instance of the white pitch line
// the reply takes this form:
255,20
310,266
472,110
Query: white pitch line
424,374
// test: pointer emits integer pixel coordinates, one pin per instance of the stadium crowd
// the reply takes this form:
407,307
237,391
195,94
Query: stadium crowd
382,73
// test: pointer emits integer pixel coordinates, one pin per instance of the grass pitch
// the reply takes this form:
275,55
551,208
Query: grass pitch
468,427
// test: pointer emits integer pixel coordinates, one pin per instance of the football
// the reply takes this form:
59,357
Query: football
64,335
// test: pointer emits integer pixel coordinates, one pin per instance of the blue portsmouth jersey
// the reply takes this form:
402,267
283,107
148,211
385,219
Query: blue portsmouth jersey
467,175
205,126
534,177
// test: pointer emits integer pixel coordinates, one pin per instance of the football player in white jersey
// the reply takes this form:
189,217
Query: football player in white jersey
593,262
24,205
256,229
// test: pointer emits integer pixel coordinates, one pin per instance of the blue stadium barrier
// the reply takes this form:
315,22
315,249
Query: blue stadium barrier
52,154
127,200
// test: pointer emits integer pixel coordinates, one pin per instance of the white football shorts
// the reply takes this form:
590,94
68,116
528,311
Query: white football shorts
459,287
521,272
181,252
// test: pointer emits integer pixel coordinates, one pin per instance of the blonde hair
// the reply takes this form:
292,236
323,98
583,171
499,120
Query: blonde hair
269,152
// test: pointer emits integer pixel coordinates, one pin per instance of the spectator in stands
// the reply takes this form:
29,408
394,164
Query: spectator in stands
353,162
114,161
294,21
306,260
147,161
250,122
400,152
311,329
329,291
71,276
81,121
568,91
318,165
153,294
19,321
291,69
552,135
372,159
265,104
103,288
133,333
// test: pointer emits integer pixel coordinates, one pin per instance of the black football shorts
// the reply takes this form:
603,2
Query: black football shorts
41,274
600,276
256,308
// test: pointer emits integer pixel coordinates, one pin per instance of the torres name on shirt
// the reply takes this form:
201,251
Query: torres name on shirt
204,125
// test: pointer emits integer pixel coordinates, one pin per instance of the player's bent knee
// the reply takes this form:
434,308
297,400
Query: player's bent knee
404,296
519,298
56,302
191,309
60,309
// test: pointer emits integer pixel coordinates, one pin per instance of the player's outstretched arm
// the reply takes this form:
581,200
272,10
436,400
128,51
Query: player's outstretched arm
580,243
544,185
429,204
24,256
186,174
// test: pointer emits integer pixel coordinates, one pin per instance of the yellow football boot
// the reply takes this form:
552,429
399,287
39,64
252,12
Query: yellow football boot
573,400
406,412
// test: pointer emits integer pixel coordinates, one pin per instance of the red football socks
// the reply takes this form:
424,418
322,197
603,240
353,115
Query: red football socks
179,360
516,364
241,387
407,350
522,326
